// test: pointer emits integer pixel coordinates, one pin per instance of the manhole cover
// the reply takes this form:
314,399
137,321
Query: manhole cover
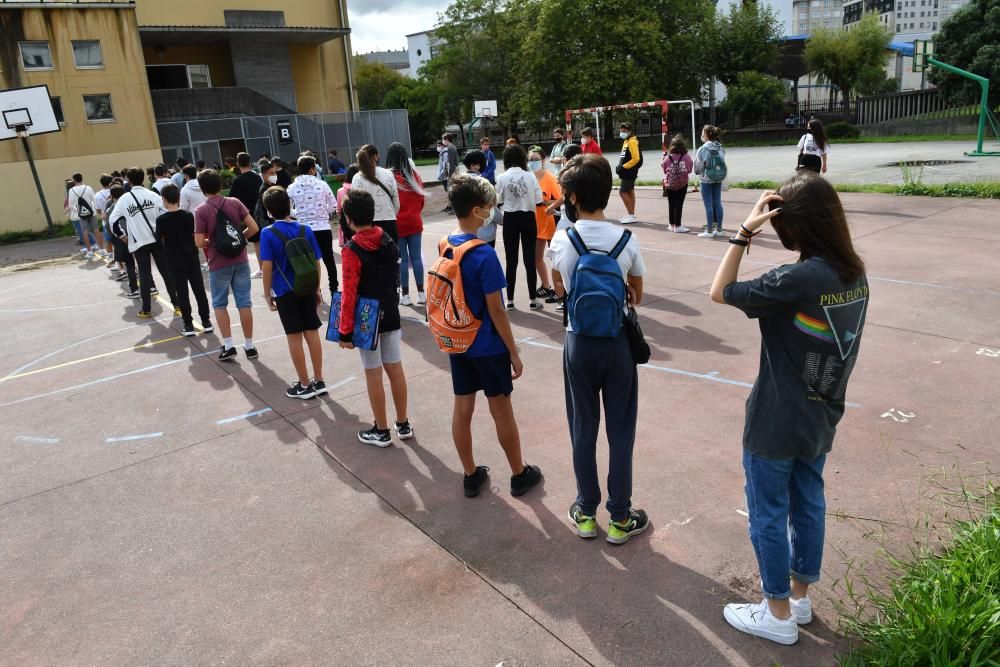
925,163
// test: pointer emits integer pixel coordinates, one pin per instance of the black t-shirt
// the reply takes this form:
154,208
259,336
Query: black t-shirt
810,326
175,230
246,188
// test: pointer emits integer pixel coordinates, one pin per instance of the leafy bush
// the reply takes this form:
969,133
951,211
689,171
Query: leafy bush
754,96
842,130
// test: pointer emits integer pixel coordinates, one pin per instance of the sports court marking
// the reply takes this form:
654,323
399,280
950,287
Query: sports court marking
34,438
127,438
143,346
230,420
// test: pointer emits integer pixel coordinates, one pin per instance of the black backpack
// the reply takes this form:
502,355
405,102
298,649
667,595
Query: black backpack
227,239
83,208
302,261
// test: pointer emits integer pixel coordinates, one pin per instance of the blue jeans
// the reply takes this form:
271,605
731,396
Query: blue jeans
711,194
79,235
787,519
409,253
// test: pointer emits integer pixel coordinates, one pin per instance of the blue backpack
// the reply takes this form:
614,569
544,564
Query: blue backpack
596,301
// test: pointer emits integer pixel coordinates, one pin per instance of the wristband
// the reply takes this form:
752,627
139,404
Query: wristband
740,242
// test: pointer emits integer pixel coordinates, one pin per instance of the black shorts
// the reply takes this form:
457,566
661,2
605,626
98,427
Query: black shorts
628,185
491,375
298,313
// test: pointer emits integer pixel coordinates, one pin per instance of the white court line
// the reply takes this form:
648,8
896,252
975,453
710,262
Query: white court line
43,310
743,513
143,436
32,438
230,420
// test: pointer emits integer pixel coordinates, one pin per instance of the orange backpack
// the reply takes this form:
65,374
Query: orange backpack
451,321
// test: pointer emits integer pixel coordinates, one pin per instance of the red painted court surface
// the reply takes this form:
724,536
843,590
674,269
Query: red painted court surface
158,507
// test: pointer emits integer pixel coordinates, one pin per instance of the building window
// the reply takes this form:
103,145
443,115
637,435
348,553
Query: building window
98,108
57,109
934,26
87,54
35,55
199,76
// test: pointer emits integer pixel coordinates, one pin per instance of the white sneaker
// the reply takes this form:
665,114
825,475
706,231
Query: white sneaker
681,229
629,219
421,298
405,300
757,620
84,250
706,235
718,232
802,610
89,255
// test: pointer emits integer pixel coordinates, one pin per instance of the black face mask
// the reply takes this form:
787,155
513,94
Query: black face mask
570,210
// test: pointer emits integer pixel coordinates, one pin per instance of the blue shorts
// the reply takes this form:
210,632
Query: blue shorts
491,375
235,276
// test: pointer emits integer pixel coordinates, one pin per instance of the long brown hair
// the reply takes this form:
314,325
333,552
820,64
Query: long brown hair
812,221
815,128
366,161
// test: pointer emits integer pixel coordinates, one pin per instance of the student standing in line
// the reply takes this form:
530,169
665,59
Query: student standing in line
345,232
226,273
629,163
475,163
268,178
101,199
246,187
808,350
82,211
314,205
297,312
676,165
545,222
381,185
119,239
710,164
588,144
335,166
161,179
178,177
556,154
814,148
520,195
175,230
489,172
371,269
191,195
492,361
410,224
284,178
597,362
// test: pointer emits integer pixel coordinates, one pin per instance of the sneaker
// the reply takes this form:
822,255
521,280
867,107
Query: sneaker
474,481
561,308
204,268
620,533
134,294
681,229
177,311
153,291
802,610
89,255
510,305
376,437
404,430
206,326
298,391
227,354
84,250
251,353
534,305
320,387
102,253
671,228
421,298
544,292
718,232
188,330
259,274
706,235
553,298
521,483
121,276
757,620
629,219
405,300
144,315
585,525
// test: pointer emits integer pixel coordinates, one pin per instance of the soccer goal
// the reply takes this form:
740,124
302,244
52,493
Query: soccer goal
664,106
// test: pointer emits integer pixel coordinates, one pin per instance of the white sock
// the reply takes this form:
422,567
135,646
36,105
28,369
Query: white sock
227,343
249,344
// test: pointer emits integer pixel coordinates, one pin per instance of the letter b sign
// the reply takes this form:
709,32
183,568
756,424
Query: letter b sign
284,131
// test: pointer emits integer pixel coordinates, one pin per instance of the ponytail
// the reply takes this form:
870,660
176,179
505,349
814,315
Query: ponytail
366,164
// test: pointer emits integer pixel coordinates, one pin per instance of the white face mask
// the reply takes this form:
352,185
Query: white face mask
272,179
489,216
584,140
535,165
623,135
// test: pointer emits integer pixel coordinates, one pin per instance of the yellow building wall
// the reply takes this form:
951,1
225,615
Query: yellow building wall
216,56
298,13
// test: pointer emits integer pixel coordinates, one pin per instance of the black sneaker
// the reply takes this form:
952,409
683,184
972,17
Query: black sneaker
521,483
474,481
298,391
510,305
121,276
552,298
404,430
134,294
188,330
153,291
534,305
252,353
227,354
206,326
543,292
375,436
622,532
320,387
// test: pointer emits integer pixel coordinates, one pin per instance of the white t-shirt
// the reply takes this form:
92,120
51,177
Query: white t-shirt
518,190
101,200
386,206
596,235
76,193
808,145
161,183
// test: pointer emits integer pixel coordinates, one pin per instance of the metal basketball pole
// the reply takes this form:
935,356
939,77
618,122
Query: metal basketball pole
23,133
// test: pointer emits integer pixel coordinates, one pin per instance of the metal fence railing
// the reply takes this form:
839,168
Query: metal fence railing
880,108
285,136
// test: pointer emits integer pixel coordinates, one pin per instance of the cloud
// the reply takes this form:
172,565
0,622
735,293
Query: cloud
378,25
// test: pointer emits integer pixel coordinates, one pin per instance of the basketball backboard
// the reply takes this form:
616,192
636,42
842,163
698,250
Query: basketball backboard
485,108
29,109
922,50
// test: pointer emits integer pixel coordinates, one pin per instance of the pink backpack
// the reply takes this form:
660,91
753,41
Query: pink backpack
675,176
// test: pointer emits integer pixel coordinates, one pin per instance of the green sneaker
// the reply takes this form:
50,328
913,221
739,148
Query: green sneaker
586,526
620,533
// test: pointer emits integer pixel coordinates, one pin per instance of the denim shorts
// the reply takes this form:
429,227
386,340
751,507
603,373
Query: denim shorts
236,276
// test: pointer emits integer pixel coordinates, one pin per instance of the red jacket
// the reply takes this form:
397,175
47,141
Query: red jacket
369,239
411,205
591,147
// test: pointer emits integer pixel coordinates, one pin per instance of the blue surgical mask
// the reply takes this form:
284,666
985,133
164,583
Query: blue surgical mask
623,135
535,165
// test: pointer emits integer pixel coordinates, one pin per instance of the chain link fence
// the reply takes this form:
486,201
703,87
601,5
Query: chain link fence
284,136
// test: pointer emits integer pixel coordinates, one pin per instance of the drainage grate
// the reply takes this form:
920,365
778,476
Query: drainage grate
925,163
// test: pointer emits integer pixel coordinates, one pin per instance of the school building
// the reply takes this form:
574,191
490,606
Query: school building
116,68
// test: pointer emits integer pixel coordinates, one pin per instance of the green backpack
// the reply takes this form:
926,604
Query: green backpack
715,167
302,260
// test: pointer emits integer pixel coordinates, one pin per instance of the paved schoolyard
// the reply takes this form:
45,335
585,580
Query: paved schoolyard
158,507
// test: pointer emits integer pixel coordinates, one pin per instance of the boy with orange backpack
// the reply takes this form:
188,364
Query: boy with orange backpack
465,312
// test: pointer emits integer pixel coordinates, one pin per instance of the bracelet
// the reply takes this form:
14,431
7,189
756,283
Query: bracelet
747,233
740,242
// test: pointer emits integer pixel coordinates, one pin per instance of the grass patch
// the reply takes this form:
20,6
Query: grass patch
967,190
936,609
425,161
58,231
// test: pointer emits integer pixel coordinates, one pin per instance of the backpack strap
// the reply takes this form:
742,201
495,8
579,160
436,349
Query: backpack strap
578,244
620,246
281,237
458,252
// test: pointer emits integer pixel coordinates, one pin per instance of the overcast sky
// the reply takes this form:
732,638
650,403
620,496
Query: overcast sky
380,25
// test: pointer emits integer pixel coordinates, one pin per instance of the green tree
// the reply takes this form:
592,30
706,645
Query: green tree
746,40
373,82
845,58
754,96
970,40
420,99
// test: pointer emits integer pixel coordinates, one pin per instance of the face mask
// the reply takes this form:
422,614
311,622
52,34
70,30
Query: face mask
570,210
584,140
489,216
272,179
623,135
535,165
